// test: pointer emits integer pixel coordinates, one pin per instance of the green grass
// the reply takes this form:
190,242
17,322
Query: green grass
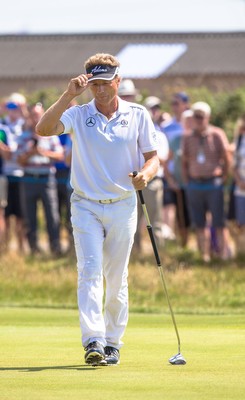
42,359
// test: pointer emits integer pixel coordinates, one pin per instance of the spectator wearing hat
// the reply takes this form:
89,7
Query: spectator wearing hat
63,186
153,193
205,164
174,127
174,130
15,115
39,182
187,121
159,117
15,112
174,178
127,90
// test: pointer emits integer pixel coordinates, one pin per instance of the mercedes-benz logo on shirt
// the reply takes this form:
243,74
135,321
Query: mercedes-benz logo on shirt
154,135
124,122
90,121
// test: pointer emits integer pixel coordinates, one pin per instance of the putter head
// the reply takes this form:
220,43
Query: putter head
178,359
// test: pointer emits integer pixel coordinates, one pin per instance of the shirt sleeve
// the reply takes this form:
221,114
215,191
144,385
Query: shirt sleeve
163,149
67,119
147,133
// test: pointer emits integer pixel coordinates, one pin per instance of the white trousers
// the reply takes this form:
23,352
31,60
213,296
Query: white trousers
103,236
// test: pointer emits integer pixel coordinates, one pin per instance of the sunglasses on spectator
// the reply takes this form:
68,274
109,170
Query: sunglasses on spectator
199,116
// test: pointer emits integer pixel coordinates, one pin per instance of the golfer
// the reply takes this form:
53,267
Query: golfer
108,135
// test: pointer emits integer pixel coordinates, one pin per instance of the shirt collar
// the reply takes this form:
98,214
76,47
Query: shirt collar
123,107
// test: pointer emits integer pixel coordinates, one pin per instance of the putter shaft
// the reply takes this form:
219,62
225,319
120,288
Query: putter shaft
154,246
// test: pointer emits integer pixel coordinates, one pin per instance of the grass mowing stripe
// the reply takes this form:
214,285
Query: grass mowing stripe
41,358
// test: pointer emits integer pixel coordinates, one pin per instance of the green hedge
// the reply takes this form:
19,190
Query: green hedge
226,106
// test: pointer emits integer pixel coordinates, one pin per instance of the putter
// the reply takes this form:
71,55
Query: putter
177,359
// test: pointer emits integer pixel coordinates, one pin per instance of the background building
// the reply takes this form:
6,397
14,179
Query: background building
215,60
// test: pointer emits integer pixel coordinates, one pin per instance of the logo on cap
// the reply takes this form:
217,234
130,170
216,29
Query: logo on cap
98,69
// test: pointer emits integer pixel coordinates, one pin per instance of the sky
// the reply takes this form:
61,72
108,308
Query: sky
95,16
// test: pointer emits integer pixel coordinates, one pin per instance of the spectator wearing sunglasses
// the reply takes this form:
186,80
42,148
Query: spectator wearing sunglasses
205,164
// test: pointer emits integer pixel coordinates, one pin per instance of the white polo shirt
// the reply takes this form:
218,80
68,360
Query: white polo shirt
105,151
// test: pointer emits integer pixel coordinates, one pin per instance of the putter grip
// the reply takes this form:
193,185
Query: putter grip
135,173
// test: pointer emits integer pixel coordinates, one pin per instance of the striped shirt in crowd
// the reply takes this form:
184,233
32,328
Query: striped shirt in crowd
205,153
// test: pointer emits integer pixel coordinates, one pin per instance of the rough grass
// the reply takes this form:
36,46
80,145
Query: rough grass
193,287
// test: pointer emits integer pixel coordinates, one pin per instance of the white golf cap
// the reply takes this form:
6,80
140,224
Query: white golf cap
201,106
17,98
127,88
187,113
152,101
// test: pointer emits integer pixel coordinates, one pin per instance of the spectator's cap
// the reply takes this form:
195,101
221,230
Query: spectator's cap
152,101
201,106
14,101
182,96
187,113
17,98
127,88
100,71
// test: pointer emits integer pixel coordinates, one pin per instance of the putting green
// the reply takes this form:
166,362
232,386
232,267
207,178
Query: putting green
42,359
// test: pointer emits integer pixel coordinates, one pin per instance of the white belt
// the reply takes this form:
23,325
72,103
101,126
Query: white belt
109,201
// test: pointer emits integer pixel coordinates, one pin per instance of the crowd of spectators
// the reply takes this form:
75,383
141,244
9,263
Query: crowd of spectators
33,171
198,166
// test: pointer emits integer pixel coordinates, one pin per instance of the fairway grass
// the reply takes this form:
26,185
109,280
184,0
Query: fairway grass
42,358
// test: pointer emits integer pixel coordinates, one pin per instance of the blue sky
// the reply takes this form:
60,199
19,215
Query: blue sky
80,16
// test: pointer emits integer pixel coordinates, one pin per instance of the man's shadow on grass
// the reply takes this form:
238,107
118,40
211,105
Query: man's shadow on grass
56,367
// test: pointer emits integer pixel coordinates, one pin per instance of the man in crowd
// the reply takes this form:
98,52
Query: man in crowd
37,159
153,193
15,115
4,154
205,168
173,205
